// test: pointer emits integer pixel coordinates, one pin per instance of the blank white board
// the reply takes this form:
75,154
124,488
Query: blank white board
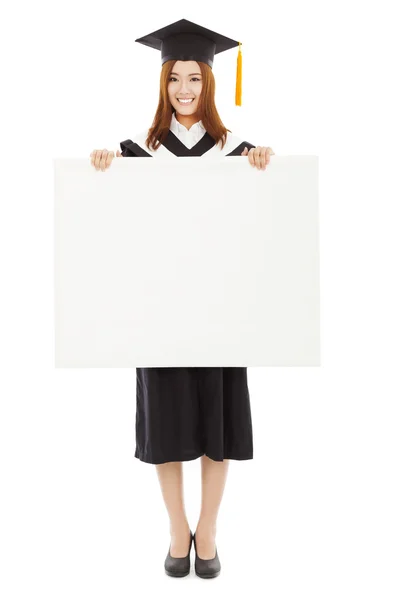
187,262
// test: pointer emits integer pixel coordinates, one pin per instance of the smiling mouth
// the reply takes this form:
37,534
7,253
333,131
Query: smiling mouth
185,101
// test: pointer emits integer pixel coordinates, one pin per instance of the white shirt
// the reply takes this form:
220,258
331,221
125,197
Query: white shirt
189,137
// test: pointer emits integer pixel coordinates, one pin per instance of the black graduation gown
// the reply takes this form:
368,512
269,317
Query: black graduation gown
185,412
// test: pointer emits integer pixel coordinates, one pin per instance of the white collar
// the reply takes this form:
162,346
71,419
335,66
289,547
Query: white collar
177,127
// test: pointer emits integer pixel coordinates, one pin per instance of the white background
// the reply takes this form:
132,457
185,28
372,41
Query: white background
315,513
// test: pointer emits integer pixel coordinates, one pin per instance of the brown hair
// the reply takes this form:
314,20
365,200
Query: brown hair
207,110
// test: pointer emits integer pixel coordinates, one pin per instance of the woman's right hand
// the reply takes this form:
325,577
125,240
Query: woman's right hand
102,159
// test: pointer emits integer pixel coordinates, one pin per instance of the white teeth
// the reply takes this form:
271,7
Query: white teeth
185,101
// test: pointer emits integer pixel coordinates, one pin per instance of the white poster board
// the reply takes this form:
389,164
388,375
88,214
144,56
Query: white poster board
187,262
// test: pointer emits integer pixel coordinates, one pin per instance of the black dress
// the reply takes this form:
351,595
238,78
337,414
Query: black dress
185,412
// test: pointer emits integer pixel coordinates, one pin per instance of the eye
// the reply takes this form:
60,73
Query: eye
196,78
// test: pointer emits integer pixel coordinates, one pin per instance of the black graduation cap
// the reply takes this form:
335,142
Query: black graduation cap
184,40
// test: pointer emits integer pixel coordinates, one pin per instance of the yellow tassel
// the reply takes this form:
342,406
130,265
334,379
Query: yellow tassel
238,100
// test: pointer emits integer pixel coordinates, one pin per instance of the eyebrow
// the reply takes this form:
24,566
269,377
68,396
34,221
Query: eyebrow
190,74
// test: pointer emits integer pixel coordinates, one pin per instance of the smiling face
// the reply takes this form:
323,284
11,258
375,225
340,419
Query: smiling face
185,82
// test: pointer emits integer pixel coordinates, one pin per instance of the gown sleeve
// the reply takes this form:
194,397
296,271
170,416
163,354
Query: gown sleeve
129,148
239,149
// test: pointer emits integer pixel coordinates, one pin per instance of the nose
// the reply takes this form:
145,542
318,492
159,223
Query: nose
184,88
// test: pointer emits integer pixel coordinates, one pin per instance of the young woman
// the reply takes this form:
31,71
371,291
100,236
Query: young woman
189,412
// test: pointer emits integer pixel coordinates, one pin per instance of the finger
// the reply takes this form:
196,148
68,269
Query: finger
109,158
251,157
93,157
104,154
257,158
245,151
97,158
119,153
264,158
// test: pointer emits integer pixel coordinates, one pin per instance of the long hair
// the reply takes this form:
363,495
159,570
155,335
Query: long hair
207,110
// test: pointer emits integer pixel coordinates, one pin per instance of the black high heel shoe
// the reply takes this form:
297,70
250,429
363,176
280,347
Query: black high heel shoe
206,567
178,567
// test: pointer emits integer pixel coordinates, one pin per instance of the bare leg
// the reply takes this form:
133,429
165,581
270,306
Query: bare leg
213,479
170,476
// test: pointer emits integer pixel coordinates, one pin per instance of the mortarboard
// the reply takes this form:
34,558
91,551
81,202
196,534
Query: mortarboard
184,40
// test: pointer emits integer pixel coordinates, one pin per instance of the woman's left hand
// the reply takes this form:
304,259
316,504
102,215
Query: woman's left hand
259,156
